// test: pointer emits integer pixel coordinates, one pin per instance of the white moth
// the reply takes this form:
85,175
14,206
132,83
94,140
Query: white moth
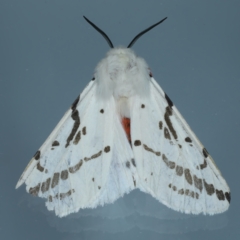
122,133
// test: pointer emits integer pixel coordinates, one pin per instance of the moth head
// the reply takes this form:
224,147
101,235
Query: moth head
121,73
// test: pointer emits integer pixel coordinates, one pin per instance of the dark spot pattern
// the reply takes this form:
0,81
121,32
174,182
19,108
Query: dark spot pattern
74,105
167,134
205,152
160,125
107,149
64,174
55,179
151,173
84,131
93,179
134,182
77,138
99,187
37,155
209,188
170,103
170,164
142,106
39,167
45,185
151,150
76,119
181,191
228,196
35,190
101,111
76,167
204,164
188,139
50,198
93,78
67,194
133,162
150,75
55,144
220,195
167,115
179,145
188,176
198,182
179,170
93,156
137,143
174,188
128,164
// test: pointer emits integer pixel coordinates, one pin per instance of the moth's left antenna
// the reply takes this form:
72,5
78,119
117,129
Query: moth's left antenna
99,30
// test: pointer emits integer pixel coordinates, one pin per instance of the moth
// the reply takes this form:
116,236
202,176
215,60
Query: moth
123,133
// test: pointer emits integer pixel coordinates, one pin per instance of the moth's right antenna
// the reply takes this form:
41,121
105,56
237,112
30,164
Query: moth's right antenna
146,30
100,31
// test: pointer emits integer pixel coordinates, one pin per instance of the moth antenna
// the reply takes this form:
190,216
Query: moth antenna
144,31
100,31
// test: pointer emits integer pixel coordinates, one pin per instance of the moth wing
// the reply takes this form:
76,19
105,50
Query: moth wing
172,164
74,168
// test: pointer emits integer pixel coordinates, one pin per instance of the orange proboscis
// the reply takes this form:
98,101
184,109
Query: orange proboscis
126,122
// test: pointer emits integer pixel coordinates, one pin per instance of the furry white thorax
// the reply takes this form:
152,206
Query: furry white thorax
123,75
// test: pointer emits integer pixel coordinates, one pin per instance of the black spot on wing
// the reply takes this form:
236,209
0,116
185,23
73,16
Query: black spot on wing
188,139
169,163
205,152
209,188
228,196
198,182
45,185
76,119
55,179
55,144
74,105
160,125
101,111
37,155
170,103
188,176
151,150
93,78
35,190
39,167
64,174
220,195
167,115
76,167
204,164
77,138
84,131
133,162
137,143
142,106
167,134
107,149
179,170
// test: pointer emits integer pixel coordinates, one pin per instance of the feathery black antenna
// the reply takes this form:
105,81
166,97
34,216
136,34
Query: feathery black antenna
146,30
99,30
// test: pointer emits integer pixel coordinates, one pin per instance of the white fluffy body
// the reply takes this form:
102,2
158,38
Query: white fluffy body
88,160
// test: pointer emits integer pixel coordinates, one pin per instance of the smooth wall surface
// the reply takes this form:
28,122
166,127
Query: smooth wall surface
48,53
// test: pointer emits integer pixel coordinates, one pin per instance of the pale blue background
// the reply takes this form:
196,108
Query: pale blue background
48,54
